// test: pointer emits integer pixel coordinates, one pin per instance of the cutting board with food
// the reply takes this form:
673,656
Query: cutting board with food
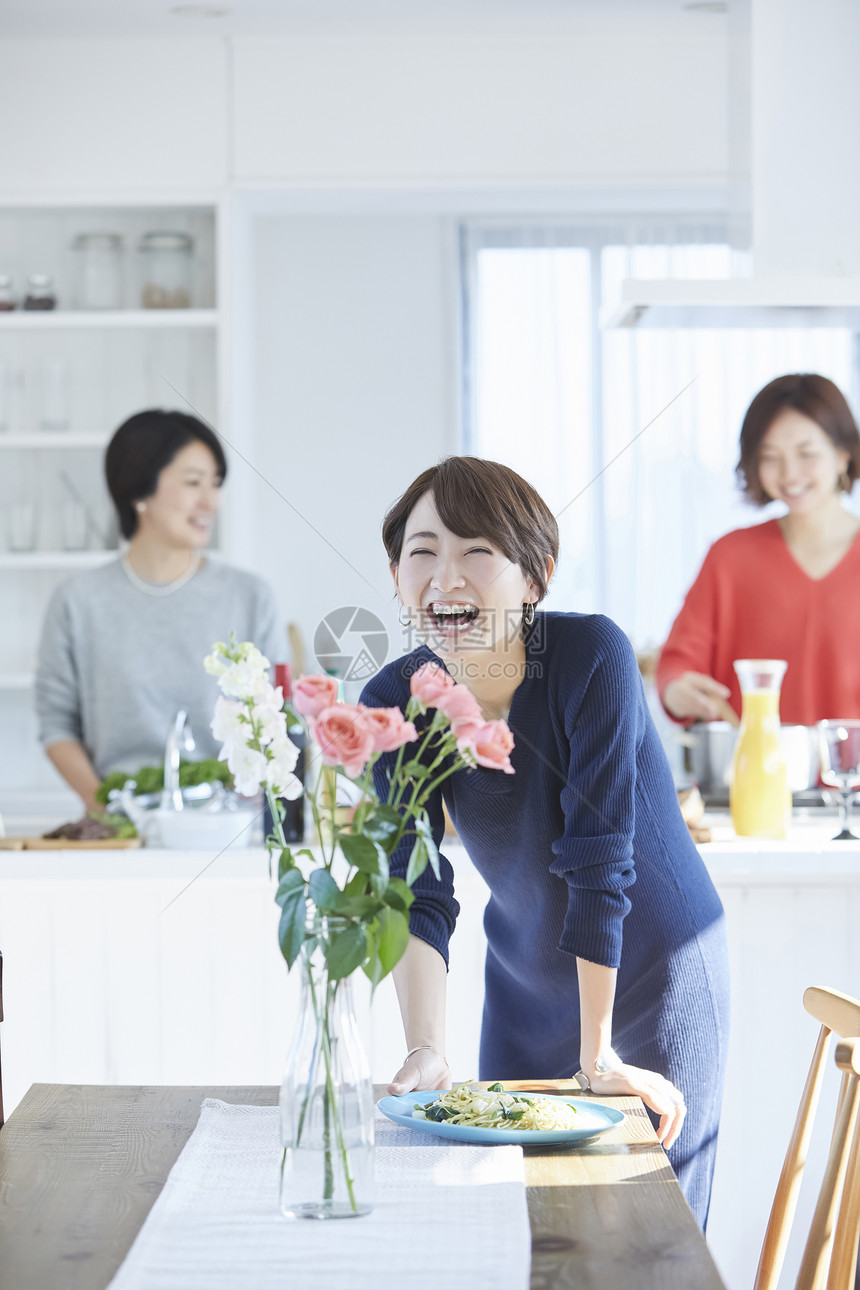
67,844
92,833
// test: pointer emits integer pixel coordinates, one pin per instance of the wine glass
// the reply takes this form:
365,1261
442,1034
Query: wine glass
839,746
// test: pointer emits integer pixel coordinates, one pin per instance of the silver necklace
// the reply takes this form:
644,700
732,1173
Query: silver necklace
160,588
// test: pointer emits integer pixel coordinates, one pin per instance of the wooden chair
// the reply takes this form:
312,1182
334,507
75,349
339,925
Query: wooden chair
1,1018
830,1257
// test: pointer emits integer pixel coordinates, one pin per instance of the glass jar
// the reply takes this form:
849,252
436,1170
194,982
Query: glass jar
99,270
7,300
40,292
165,270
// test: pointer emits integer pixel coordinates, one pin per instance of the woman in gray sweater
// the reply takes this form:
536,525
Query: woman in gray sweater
122,646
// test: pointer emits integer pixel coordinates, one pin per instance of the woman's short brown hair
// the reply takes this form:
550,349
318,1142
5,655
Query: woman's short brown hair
478,498
817,398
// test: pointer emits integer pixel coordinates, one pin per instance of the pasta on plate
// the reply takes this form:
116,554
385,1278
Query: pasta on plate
493,1108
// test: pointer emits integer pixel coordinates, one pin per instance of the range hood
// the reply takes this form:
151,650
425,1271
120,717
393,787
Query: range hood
794,126
737,302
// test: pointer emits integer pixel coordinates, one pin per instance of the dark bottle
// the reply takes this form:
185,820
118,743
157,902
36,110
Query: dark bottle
294,811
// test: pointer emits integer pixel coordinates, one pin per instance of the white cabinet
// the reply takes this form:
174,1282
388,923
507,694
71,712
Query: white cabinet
68,378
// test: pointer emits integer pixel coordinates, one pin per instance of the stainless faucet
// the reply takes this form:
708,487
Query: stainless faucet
180,736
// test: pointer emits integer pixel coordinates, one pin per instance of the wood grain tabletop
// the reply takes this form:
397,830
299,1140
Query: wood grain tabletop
82,1165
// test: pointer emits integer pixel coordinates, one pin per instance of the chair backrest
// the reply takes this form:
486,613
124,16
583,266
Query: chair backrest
838,1014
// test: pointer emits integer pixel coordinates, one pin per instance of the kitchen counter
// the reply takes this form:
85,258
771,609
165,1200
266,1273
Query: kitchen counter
162,967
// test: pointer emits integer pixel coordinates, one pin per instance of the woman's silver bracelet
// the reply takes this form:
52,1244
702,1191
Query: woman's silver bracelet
416,1049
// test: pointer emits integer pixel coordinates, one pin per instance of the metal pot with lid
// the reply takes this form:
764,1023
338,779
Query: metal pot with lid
709,749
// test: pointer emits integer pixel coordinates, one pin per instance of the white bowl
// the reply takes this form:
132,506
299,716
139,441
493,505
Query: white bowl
192,830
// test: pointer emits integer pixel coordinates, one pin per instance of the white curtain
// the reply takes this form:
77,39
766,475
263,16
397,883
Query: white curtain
631,436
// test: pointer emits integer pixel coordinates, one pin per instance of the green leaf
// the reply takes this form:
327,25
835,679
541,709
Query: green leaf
323,890
384,825
398,894
290,882
286,863
415,770
362,907
357,885
393,935
417,862
372,966
346,951
363,853
425,832
291,928
379,883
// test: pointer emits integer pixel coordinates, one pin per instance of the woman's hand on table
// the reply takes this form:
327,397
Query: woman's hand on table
696,695
425,1069
658,1094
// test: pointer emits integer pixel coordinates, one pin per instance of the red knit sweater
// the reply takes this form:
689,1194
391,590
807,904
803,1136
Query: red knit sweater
753,600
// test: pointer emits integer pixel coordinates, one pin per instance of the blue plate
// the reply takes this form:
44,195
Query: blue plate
596,1119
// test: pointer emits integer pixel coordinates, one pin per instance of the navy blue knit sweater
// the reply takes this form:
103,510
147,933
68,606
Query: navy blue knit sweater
586,855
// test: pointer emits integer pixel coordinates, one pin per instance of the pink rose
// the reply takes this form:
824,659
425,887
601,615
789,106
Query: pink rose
313,693
463,711
344,737
492,746
429,682
388,728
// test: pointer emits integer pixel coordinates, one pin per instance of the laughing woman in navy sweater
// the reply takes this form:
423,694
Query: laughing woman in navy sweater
606,951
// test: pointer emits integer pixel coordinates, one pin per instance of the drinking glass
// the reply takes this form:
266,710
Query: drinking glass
54,380
5,389
839,746
75,526
22,526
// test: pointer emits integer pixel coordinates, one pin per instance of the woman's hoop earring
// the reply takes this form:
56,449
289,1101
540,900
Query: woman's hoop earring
408,621
140,507
528,613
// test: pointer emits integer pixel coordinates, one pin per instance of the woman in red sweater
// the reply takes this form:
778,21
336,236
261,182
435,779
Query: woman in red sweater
788,588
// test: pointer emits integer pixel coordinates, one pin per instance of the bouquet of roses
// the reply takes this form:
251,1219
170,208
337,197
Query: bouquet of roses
348,880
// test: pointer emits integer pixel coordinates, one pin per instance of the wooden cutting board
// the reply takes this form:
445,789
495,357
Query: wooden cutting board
67,844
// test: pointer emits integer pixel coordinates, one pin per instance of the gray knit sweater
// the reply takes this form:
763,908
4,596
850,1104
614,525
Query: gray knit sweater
116,664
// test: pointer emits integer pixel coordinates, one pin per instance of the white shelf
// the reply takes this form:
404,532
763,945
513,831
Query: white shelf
17,560
17,680
52,439
48,319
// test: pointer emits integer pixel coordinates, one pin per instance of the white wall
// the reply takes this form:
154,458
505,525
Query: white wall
104,116
351,359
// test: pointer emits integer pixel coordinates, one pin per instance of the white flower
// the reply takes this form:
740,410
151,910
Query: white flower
269,718
281,781
215,663
244,680
248,766
231,718
284,751
248,653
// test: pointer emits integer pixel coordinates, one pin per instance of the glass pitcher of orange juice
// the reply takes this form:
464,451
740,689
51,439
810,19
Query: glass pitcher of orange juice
759,795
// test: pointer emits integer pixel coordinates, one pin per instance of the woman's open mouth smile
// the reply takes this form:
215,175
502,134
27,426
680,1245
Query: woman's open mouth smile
451,618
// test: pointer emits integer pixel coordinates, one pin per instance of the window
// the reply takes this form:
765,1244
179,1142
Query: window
631,436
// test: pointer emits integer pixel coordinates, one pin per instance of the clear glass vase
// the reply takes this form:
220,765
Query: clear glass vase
326,1103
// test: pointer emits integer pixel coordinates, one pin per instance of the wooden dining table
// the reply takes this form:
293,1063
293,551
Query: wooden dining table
82,1165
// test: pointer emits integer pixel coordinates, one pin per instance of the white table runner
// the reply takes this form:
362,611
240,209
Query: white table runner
446,1215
